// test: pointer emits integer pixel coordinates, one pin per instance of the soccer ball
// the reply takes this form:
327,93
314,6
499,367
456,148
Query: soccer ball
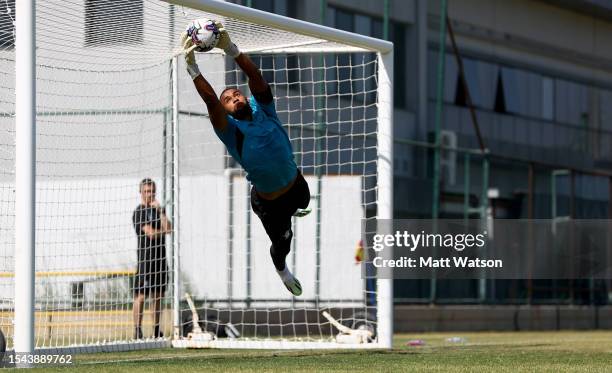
204,34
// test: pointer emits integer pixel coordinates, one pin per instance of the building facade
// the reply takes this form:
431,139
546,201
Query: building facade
539,78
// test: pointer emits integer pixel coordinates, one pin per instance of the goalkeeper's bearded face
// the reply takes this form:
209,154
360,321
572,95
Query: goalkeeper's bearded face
235,103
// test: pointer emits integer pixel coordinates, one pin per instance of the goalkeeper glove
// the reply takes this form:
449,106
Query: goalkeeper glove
188,48
225,42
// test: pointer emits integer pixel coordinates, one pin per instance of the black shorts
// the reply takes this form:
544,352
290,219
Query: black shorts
151,277
276,214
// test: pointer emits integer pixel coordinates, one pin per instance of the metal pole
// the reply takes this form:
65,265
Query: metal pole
572,237
468,97
230,234
276,21
248,247
609,235
466,187
553,212
175,199
165,159
530,216
249,3
572,201
322,11
610,198
530,190
318,163
485,186
171,21
386,20
25,175
167,111
384,291
553,196
168,118
294,247
438,121
435,197
482,282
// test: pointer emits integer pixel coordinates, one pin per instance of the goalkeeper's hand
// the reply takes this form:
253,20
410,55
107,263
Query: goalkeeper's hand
188,51
225,42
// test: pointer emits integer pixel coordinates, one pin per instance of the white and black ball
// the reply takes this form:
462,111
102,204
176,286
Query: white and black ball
204,34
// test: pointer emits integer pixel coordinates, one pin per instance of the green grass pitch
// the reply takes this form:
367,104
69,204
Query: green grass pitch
574,351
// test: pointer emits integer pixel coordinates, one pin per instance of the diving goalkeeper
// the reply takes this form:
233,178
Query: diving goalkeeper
255,138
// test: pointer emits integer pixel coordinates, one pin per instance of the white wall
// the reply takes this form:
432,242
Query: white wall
80,230
205,244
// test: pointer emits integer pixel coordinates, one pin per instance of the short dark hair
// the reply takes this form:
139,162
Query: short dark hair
146,181
227,89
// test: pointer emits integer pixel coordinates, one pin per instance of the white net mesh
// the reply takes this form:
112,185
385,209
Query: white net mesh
7,163
104,122
328,105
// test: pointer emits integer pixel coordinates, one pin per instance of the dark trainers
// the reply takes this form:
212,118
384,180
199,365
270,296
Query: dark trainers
157,333
137,333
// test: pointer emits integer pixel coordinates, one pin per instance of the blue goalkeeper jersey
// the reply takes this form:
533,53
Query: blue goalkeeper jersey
262,147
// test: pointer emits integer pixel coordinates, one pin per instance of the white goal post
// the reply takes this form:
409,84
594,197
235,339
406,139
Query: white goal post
110,105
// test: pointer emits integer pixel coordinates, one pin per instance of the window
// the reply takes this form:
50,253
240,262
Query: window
287,8
377,28
343,20
277,69
605,107
362,24
500,99
548,99
526,93
111,21
7,16
510,86
265,5
504,90
359,64
571,102
451,72
337,67
481,78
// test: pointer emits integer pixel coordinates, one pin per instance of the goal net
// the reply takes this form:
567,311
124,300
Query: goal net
115,105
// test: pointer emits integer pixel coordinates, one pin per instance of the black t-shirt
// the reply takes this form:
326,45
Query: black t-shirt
149,248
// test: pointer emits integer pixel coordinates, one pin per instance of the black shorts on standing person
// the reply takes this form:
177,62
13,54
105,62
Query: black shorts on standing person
152,270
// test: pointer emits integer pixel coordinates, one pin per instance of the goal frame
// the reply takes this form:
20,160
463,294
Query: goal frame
25,61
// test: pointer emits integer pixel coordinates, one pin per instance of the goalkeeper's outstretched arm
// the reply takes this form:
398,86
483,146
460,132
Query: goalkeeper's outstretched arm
216,111
257,83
